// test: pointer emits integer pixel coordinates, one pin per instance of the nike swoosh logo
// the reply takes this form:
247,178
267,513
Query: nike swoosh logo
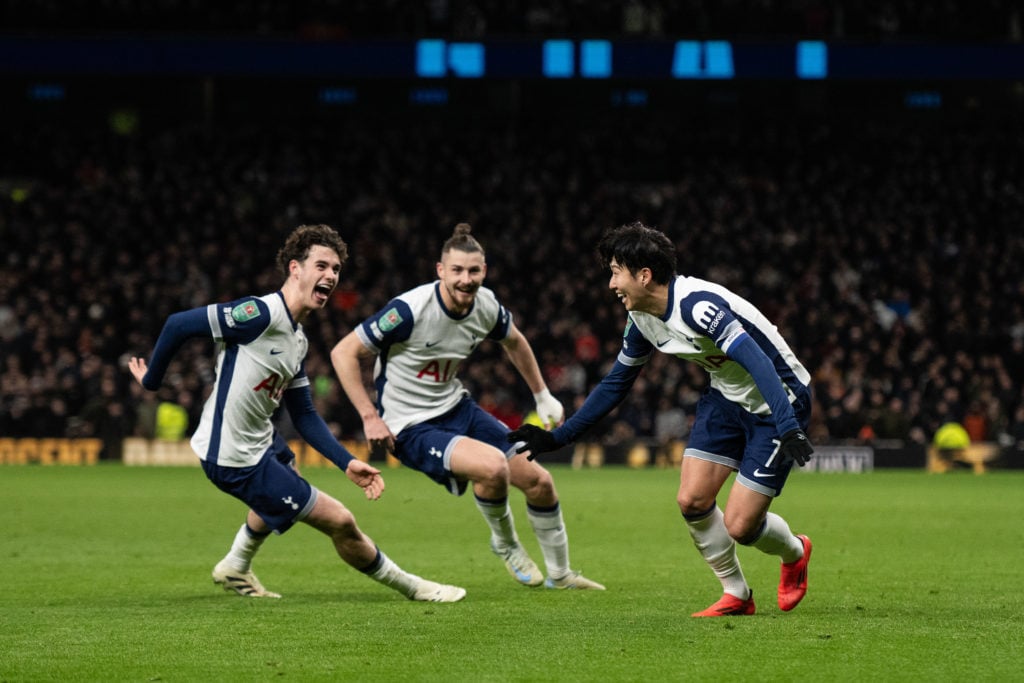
758,473
274,352
429,344
662,343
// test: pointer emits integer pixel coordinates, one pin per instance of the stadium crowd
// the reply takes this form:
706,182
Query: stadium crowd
961,20
888,254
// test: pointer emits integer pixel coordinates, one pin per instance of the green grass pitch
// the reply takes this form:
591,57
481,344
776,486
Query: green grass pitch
106,577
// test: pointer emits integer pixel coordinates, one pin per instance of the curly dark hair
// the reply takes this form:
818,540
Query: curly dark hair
304,237
637,246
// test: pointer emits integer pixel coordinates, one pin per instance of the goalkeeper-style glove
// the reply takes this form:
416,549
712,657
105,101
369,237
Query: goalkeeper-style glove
535,440
794,446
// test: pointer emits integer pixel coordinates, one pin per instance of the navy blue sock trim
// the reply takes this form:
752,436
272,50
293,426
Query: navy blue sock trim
255,534
701,515
493,502
375,565
756,535
545,510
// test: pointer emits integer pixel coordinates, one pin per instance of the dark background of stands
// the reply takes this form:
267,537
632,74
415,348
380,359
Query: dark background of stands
920,20
879,223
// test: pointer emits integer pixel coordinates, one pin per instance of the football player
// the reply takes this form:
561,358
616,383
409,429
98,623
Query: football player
751,420
261,349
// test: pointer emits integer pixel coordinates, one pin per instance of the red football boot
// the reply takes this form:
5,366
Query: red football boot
729,606
793,583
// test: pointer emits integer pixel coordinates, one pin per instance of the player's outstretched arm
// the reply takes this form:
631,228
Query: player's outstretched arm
366,477
534,439
518,349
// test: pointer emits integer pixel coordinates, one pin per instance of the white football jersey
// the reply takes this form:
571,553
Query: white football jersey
420,346
260,353
702,321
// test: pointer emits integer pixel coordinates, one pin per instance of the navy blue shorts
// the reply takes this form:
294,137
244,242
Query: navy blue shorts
272,487
726,433
428,446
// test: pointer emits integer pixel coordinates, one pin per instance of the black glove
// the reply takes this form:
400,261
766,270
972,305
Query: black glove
536,440
795,446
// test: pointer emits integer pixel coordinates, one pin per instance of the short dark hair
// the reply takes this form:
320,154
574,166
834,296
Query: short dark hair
304,237
637,246
461,240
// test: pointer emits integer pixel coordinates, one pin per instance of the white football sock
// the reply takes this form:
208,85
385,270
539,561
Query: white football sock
246,543
384,571
719,550
549,528
498,516
777,539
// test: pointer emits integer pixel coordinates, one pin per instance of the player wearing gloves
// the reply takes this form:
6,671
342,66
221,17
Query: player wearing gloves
261,350
751,420
426,418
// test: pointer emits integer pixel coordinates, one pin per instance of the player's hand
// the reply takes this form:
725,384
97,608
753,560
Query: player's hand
379,438
795,446
534,439
137,366
366,477
549,409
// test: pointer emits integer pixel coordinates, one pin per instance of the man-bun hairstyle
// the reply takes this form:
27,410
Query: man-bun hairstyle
462,240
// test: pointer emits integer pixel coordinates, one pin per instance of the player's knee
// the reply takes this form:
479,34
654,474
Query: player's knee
743,530
691,503
493,473
536,483
344,525
336,519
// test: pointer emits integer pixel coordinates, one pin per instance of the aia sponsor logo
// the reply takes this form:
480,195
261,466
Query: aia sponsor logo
273,384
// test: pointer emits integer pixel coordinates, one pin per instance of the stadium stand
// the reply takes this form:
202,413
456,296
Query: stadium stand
885,244
887,252
959,20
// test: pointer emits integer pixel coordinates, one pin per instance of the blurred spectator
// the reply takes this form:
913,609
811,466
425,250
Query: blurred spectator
146,407
106,417
892,421
1016,430
975,422
671,427
172,420
813,221
950,442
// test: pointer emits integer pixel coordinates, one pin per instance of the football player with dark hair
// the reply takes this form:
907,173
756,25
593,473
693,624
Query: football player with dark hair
751,420
261,349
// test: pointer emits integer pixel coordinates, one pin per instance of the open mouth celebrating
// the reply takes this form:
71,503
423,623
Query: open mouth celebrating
321,293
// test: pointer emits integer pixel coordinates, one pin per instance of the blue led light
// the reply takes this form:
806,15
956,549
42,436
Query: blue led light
429,96
49,92
686,59
595,59
718,59
430,58
558,59
811,59
329,95
466,59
